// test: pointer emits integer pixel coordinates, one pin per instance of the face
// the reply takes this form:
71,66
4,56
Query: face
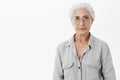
81,21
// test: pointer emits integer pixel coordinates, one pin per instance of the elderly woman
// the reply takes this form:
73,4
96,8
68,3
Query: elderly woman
83,57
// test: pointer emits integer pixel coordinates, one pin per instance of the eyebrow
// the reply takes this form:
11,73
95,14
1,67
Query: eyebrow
86,15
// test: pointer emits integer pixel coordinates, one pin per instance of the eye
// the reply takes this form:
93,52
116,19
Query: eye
76,17
86,17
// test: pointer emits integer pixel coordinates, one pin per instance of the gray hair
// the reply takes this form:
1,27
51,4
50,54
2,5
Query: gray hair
83,5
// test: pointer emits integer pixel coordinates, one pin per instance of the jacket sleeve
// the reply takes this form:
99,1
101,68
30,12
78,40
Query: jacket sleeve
107,64
58,71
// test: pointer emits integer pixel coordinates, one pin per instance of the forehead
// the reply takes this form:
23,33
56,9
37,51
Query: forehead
81,12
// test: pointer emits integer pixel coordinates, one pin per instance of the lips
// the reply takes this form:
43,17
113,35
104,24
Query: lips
81,28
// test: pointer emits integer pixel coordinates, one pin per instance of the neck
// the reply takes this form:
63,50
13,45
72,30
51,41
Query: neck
81,38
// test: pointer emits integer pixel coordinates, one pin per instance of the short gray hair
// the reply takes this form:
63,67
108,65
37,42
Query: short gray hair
83,5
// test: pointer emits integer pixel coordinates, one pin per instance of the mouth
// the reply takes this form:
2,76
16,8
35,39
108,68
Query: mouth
82,28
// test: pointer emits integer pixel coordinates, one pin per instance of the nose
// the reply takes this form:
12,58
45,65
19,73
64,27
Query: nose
81,22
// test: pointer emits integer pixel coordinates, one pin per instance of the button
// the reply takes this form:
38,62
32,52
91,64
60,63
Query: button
78,67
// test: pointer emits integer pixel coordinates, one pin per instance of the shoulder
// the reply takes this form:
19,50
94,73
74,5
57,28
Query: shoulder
61,46
101,43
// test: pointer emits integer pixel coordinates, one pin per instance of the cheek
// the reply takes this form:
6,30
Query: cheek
89,24
74,25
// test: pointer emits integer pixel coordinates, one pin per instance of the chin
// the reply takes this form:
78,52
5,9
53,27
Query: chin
82,32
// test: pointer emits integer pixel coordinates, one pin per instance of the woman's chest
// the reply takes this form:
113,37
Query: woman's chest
79,50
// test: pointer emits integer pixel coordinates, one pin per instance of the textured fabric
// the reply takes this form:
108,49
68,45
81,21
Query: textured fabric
95,63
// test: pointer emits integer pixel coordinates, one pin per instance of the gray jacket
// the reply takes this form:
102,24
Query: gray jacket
95,64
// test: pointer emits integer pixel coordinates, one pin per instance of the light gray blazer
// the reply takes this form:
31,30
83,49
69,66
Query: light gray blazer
95,64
